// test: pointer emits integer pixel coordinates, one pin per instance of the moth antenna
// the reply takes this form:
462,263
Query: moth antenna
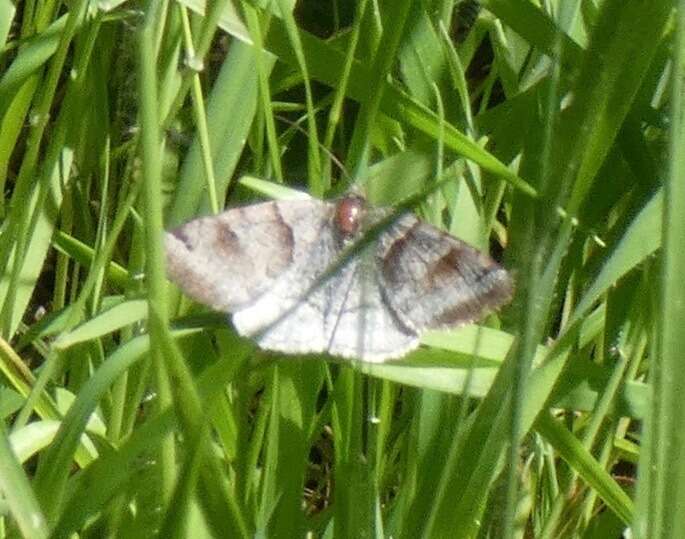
325,150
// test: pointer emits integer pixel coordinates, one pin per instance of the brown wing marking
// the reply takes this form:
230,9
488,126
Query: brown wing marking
433,280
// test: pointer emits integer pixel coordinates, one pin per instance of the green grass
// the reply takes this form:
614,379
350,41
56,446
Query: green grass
554,136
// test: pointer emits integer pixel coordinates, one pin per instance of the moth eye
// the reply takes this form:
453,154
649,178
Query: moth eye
348,215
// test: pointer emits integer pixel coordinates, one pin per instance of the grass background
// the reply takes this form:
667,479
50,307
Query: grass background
558,129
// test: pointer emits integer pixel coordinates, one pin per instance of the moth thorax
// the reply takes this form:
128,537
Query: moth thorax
349,212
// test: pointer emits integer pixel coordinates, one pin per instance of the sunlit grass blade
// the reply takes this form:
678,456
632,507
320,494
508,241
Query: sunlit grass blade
663,462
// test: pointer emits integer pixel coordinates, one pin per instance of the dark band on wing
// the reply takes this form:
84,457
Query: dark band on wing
226,240
493,289
286,240
391,269
443,269
437,281
181,236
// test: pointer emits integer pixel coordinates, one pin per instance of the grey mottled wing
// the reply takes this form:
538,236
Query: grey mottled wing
289,317
265,263
433,280
359,322
228,261
343,314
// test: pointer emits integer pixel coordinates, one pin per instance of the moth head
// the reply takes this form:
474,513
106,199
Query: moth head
349,216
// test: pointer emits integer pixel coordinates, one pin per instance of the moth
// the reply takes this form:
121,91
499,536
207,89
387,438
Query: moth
307,276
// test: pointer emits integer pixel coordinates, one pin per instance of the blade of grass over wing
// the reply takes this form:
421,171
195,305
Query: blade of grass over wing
357,247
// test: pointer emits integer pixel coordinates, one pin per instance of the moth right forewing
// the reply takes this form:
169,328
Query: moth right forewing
227,261
434,281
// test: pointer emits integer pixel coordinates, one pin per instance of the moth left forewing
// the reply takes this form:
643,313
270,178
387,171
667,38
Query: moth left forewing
227,261
290,316
435,281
